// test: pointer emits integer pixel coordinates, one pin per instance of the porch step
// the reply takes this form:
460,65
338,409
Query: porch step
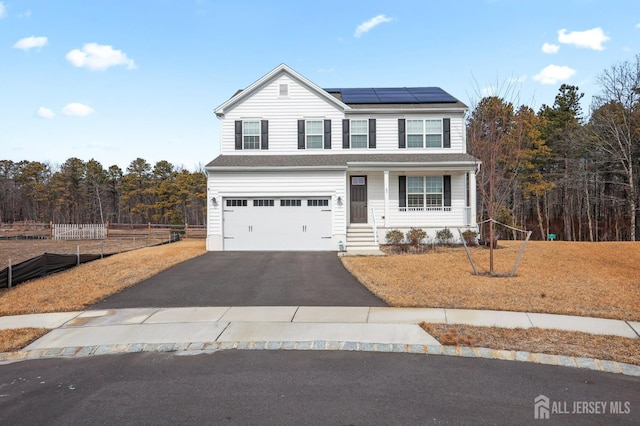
360,238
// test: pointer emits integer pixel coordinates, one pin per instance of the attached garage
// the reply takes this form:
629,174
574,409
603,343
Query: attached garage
277,223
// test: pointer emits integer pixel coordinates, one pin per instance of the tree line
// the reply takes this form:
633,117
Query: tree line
85,192
558,171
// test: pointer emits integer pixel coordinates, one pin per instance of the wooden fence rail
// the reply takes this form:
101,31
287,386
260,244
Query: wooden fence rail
31,230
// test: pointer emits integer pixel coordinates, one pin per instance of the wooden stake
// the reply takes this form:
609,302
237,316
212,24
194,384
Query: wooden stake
524,244
466,250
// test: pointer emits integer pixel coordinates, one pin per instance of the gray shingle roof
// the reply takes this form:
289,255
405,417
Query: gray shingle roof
334,160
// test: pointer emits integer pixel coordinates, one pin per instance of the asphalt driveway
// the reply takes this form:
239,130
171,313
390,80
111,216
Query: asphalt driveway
249,279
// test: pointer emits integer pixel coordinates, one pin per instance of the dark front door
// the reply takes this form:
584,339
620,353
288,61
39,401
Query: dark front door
358,201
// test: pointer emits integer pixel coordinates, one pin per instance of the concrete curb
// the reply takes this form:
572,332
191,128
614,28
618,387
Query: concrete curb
196,348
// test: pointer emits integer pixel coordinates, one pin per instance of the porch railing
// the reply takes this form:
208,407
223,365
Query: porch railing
434,215
375,226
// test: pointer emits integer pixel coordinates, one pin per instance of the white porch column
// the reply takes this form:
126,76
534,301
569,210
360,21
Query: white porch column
472,196
386,198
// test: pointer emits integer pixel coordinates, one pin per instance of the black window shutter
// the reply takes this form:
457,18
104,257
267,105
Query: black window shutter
238,133
402,191
372,133
345,133
446,133
301,143
264,134
327,134
447,190
401,137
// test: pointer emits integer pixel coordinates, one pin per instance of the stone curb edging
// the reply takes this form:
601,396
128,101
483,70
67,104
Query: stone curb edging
196,348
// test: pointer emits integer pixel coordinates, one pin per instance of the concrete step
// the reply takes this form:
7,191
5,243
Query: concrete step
359,231
360,244
360,238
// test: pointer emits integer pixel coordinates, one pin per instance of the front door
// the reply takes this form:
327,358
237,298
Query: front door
358,200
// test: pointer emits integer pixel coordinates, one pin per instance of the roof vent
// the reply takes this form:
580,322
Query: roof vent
284,90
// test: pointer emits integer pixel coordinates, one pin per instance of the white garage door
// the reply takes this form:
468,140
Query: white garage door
277,224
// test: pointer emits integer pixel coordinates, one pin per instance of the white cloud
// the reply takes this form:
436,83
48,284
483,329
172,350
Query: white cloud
3,10
77,109
550,48
591,39
26,14
30,42
45,113
370,24
99,57
638,25
551,74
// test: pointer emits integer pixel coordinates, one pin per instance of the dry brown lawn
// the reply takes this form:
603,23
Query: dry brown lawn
555,342
14,340
21,250
84,285
585,279
601,279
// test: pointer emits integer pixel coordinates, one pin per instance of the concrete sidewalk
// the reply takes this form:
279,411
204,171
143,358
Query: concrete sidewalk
195,329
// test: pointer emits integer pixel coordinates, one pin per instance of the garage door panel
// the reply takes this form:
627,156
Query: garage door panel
278,224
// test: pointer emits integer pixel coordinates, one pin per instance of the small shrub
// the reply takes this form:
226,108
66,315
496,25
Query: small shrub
415,236
394,237
470,237
444,236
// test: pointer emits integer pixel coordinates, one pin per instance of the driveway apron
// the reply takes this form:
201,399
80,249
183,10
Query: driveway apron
249,279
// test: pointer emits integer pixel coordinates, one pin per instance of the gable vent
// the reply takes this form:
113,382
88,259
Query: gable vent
284,90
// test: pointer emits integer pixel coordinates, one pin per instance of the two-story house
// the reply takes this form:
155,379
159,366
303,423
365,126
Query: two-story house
306,168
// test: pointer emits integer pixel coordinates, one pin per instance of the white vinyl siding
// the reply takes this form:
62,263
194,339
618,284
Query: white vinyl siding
303,104
387,133
283,114
284,185
359,133
434,217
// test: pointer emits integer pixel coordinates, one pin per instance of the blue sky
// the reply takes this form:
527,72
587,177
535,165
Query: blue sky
115,80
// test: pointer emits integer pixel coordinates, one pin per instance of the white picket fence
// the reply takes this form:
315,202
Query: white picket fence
82,231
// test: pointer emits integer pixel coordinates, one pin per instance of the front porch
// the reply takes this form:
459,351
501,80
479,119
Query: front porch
388,198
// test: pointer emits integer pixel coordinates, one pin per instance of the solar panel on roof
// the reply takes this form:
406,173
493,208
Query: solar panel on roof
431,94
391,95
395,95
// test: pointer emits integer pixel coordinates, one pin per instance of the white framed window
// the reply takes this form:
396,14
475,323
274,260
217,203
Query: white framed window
236,203
425,192
318,203
424,133
314,134
251,134
283,90
263,203
358,180
359,133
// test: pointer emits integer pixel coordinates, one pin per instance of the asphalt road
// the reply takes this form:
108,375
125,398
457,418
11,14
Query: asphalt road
288,387
249,279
